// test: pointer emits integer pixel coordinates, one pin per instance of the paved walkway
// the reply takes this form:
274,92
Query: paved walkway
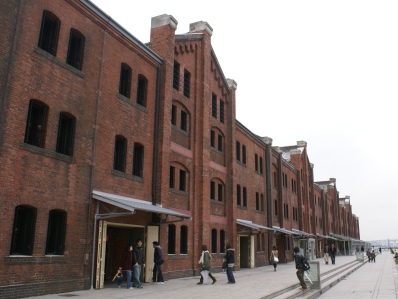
373,280
253,283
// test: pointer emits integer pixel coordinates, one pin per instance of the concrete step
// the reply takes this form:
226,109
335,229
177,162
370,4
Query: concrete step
328,279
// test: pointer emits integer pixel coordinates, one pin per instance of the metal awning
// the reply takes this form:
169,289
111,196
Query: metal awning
132,204
301,233
252,225
332,238
284,231
341,237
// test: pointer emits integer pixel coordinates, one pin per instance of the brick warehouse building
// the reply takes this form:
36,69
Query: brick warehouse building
104,140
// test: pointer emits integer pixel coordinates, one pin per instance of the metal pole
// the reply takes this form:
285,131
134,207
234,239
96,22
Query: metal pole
94,244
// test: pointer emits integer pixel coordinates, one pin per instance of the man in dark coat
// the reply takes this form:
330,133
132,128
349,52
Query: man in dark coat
158,260
298,258
138,263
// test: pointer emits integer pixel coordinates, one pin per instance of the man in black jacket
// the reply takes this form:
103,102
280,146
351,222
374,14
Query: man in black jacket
158,260
138,263
298,258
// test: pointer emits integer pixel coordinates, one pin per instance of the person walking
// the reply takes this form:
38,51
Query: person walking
368,254
332,253
298,258
138,263
158,260
205,265
127,265
373,256
230,259
326,250
274,257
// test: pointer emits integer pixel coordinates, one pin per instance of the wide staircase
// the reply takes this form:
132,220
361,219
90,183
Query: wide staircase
328,279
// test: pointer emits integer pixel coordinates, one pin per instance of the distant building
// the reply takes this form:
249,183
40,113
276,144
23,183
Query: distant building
105,140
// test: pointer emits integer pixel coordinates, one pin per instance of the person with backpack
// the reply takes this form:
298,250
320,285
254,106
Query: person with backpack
300,266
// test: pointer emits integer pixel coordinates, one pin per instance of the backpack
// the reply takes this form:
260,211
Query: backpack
305,263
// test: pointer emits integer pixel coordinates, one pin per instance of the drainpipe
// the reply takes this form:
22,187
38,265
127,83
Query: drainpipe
156,137
92,168
3,94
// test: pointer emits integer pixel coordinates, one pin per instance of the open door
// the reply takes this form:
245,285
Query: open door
101,249
152,234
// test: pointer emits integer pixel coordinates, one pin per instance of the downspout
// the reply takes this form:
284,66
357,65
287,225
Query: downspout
156,137
92,170
7,75
268,185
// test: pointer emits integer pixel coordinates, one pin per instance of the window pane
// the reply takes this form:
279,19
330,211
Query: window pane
56,232
66,134
138,160
119,161
173,115
142,90
222,111
220,192
187,83
183,121
172,239
183,177
125,80
214,105
36,123
49,32
23,231
213,241
76,49
184,240
220,143
172,177
212,190
176,76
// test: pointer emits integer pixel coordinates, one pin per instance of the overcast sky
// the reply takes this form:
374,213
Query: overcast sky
325,72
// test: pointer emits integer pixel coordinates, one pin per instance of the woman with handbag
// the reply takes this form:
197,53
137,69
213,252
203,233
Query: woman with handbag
230,259
274,257
204,262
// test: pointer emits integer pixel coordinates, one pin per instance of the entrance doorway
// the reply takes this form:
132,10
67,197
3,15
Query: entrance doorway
113,239
244,250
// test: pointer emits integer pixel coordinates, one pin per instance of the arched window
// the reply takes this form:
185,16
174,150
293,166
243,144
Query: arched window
49,32
125,80
56,232
119,158
222,241
184,239
138,160
213,240
66,134
75,49
23,230
142,87
36,123
172,239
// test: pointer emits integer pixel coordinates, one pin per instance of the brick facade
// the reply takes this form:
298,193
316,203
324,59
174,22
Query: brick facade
223,173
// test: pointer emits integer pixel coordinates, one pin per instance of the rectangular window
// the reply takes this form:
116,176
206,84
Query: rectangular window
212,138
187,84
66,134
220,143
261,165
56,232
23,231
184,240
125,80
212,190
49,32
36,123
220,192
176,76
244,197
174,115
238,150
184,121
75,49
222,111
119,159
171,244
172,177
244,154
142,87
214,105
138,160
262,202
276,207
183,180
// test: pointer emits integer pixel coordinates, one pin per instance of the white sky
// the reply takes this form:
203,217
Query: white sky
325,72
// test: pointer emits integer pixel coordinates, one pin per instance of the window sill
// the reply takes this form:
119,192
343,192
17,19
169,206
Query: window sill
242,207
131,102
126,175
217,202
59,62
179,130
45,152
183,193
24,259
